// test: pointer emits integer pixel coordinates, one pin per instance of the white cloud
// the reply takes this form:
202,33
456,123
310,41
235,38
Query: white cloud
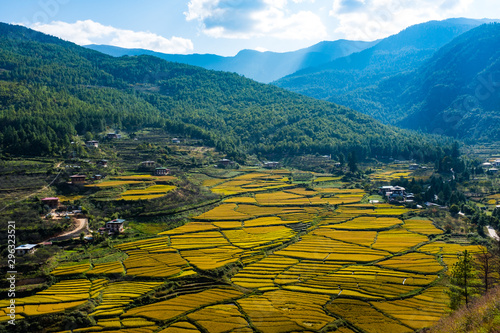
90,32
373,19
249,19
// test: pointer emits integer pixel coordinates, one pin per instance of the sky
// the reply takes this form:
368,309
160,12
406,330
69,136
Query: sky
225,27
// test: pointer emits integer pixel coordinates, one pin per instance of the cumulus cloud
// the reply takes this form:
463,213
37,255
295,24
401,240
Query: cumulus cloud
90,32
254,18
373,19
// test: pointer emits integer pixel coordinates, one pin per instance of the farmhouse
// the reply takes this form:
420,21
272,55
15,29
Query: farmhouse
148,163
271,165
102,163
92,144
161,171
77,179
413,166
115,226
225,162
114,136
176,140
492,171
25,248
52,202
382,190
396,193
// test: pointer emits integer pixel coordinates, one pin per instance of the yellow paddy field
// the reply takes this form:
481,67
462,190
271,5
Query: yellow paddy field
287,259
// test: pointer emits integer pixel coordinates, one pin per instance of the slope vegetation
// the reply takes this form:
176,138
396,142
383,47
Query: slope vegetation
51,90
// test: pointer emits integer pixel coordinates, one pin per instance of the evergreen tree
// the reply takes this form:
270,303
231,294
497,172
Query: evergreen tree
464,283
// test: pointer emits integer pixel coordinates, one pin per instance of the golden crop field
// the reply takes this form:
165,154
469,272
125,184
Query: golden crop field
59,297
224,212
220,318
174,307
145,177
117,295
367,223
397,240
112,183
417,312
151,192
362,315
422,226
114,267
71,269
286,311
414,261
272,257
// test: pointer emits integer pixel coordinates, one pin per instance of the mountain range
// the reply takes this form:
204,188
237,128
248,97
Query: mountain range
260,66
52,90
416,79
426,77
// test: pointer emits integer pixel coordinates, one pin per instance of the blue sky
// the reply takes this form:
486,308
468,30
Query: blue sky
226,26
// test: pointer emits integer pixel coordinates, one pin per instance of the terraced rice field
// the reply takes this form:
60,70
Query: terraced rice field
293,259
59,297
117,295
151,192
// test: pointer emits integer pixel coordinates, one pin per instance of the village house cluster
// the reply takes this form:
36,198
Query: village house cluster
396,194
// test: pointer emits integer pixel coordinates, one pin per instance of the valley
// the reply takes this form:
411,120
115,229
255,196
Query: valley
255,249
140,195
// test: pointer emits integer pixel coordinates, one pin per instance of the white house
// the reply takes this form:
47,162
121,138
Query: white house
25,248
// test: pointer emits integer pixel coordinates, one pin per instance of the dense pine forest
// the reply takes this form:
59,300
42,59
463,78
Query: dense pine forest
52,90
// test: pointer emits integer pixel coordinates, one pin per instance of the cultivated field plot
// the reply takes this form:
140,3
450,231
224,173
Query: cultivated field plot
151,192
280,257
71,268
387,176
117,295
57,298
422,226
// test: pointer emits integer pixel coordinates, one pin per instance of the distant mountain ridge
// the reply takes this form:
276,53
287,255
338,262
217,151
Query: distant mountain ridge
457,91
52,90
260,66
351,80
454,90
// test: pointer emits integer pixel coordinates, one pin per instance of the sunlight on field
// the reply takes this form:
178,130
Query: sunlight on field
297,247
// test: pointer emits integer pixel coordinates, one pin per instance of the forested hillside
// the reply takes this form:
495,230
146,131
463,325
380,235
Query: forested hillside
52,90
371,81
457,91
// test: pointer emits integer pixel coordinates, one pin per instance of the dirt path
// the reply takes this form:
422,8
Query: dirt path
81,225
493,233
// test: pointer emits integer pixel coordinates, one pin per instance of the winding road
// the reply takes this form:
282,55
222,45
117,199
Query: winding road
80,225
